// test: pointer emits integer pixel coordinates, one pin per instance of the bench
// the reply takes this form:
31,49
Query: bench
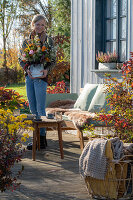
91,100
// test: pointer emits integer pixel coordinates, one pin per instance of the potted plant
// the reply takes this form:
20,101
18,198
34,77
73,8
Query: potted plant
107,60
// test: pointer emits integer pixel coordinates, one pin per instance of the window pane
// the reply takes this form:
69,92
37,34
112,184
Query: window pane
123,27
123,7
110,46
122,51
111,29
111,8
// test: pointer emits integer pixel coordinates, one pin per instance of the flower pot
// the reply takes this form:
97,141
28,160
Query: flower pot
107,66
36,70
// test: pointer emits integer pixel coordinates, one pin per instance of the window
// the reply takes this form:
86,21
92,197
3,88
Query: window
115,27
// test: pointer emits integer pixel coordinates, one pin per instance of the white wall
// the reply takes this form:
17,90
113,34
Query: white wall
82,43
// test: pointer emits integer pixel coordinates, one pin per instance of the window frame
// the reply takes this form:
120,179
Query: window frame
118,26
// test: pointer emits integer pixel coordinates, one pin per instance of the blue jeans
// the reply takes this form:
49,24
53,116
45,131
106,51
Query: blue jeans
36,93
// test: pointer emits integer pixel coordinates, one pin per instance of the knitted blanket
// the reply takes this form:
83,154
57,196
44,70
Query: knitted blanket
128,149
93,161
117,148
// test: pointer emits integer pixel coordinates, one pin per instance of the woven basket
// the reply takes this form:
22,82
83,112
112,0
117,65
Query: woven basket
118,182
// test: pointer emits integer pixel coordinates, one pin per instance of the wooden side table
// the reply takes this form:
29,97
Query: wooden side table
46,123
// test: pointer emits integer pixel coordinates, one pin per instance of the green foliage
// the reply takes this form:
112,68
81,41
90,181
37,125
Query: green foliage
62,17
61,23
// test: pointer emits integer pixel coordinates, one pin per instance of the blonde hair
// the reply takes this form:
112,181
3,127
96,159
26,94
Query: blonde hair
36,18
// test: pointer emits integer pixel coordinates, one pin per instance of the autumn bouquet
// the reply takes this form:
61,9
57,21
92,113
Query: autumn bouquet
35,53
36,56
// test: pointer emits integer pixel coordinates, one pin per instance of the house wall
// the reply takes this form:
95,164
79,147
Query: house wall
84,43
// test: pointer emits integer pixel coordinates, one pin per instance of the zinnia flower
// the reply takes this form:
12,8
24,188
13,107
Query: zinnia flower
23,54
31,52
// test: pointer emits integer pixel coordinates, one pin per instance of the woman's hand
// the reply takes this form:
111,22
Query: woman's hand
45,72
29,74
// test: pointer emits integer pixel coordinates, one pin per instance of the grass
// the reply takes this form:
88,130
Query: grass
20,88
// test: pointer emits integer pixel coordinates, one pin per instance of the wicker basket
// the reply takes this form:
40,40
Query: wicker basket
118,182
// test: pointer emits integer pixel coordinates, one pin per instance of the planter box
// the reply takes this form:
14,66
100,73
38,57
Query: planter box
107,66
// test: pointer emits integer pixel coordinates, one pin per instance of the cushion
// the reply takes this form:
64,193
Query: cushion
86,96
68,103
99,100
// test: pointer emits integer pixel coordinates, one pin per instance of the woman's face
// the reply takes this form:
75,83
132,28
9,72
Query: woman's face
39,26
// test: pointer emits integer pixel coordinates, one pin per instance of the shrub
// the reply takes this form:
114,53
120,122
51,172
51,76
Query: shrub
11,137
10,147
10,99
61,72
25,109
60,87
121,103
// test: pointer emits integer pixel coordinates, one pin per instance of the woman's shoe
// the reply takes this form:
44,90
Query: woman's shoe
45,141
29,146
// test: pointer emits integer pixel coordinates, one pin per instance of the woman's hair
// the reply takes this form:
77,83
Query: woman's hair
37,18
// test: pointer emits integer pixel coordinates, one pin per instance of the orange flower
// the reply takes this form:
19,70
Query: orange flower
26,50
47,59
43,48
114,96
30,45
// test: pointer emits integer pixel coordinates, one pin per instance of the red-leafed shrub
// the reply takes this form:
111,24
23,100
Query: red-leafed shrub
60,87
121,102
10,99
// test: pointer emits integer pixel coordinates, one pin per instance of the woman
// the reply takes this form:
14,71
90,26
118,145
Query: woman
36,85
